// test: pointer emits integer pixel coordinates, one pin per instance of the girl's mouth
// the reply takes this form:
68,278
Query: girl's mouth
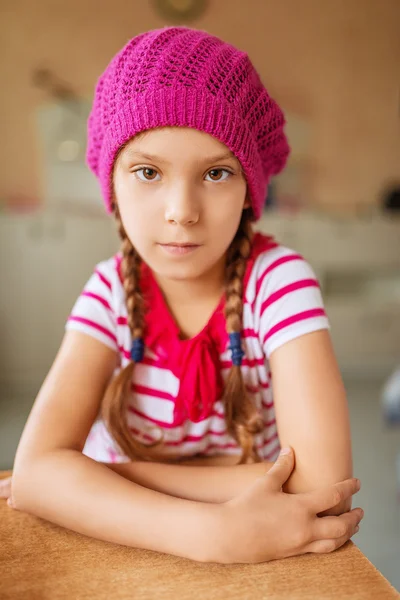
179,249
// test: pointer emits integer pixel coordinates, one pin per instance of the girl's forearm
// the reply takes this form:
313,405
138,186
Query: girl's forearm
78,493
213,484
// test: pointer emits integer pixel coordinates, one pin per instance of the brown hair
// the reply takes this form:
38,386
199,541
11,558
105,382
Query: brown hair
242,419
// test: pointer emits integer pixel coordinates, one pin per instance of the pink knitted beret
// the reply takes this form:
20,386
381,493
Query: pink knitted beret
178,76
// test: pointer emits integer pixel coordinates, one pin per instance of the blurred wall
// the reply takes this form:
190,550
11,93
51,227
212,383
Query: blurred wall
334,63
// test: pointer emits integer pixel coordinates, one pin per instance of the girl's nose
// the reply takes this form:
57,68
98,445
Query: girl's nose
182,210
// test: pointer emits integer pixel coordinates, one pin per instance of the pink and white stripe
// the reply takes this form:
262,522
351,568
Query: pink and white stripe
282,301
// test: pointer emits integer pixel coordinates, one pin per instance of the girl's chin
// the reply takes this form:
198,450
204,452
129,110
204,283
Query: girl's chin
180,270
181,273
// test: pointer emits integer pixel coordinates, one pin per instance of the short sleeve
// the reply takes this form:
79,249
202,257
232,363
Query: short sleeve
287,299
93,311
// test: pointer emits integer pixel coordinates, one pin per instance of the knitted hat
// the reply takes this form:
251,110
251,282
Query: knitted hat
178,76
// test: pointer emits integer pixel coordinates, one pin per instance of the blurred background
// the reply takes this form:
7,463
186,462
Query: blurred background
334,68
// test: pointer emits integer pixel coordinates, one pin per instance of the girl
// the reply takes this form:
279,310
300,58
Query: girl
183,345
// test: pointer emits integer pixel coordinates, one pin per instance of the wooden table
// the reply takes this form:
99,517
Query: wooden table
42,561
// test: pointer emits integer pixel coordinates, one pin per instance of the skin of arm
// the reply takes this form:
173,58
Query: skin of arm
54,480
312,414
194,479
72,490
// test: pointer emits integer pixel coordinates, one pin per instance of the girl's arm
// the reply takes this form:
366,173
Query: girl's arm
72,490
55,481
214,484
312,413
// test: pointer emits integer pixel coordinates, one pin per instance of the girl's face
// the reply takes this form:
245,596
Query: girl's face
178,186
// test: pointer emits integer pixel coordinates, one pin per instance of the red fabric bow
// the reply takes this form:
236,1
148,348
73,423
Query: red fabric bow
195,362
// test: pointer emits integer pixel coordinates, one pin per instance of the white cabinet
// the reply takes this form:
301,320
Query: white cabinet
339,243
358,265
44,262
366,338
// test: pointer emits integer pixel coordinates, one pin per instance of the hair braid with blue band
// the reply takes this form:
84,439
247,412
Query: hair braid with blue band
236,348
137,350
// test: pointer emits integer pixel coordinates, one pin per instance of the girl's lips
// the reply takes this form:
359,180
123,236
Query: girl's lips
179,250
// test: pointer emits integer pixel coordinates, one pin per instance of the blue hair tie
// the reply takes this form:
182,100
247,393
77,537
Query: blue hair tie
137,350
236,348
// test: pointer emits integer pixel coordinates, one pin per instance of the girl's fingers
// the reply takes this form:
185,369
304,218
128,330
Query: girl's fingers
325,546
5,490
327,497
336,527
5,487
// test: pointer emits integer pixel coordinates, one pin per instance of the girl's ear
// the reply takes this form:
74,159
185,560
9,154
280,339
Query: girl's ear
247,203
113,199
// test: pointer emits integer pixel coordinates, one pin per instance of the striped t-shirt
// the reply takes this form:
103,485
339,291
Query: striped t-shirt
281,301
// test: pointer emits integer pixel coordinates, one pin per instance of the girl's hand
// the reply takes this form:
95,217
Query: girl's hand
5,490
264,523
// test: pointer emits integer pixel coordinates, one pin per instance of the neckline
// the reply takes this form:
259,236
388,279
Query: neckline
155,300
157,311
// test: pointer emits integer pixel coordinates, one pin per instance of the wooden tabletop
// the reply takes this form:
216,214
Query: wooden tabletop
40,560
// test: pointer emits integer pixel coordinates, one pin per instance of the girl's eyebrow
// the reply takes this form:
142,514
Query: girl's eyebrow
160,159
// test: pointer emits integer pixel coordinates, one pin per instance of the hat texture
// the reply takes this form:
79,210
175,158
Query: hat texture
179,76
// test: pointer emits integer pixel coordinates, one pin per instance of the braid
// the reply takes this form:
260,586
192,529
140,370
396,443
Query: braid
115,401
242,418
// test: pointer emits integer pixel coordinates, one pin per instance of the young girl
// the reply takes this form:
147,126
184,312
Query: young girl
201,347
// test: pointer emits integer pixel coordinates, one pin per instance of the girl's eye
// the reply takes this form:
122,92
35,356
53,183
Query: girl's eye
149,173
215,172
